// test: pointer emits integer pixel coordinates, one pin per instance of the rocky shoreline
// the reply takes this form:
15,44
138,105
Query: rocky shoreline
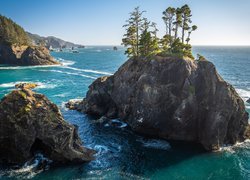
25,55
170,98
31,124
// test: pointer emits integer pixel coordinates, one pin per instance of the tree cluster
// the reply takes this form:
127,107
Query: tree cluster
12,33
141,35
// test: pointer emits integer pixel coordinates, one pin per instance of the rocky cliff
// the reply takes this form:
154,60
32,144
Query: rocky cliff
171,98
25,55
30,124
16,47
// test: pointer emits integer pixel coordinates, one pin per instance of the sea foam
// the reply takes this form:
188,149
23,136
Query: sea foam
70,73
244,94
89,71
40,85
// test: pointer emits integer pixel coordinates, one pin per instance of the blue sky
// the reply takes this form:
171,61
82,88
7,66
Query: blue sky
99,22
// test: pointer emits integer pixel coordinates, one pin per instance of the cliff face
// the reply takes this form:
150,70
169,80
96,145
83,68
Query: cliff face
171,98
16,48
25,55
30,123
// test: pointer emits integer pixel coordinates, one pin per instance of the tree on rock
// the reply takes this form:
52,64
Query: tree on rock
133,27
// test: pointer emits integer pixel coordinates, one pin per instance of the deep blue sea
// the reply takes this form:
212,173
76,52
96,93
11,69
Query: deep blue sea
121,154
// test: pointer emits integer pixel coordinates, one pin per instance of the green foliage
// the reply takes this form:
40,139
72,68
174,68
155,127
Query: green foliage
133,27
12,33
141,35
200,58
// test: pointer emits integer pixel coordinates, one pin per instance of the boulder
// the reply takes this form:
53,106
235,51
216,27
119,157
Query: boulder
171,98
26,86
25,55
248,101
31,124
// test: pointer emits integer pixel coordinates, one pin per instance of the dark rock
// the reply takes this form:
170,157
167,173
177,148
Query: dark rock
30,123
25,55
171,98
248,101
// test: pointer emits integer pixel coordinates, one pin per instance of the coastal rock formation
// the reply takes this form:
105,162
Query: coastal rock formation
30,124
171,98
25,55
16,47
248,101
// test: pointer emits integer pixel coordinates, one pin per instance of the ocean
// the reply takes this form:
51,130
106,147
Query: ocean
122,154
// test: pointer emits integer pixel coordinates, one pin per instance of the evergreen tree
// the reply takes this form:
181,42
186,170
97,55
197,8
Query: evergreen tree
133,28
193,28
186,20
168,18
11,33
178,22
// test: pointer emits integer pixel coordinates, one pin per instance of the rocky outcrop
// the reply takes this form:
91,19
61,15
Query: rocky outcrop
248,101
171,98
30,124
25,55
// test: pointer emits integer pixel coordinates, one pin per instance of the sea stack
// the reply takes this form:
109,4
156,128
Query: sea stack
30,124
16,47
171,98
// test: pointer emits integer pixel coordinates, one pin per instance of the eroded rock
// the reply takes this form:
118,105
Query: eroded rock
30,123
25,55
171,98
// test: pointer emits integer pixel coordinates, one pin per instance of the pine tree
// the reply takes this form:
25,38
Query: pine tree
193,28
133,28
168,18
186,20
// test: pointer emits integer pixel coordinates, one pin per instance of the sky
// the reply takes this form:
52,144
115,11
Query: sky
99,22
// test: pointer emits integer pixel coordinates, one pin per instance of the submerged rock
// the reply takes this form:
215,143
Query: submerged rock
25,55
30,124
248,101
171,98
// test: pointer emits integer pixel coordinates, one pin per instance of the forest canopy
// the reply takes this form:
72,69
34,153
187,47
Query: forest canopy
12,33
141,38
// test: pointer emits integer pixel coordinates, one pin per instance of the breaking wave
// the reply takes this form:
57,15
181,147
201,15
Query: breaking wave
65,62
31,168
69,73
40,85
244,94
89,71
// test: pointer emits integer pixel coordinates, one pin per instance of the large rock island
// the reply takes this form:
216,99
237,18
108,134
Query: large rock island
171,98
16,47
30,124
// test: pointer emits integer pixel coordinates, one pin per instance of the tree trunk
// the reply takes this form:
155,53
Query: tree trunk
176,31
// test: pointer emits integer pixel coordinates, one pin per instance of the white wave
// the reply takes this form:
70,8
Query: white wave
89,70
98,50
66,62
233,148
26,67
40,85
31,168
69,73
244,94
155,144
61,95
118,123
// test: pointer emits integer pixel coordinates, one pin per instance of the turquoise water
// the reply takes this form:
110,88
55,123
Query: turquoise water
121,154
